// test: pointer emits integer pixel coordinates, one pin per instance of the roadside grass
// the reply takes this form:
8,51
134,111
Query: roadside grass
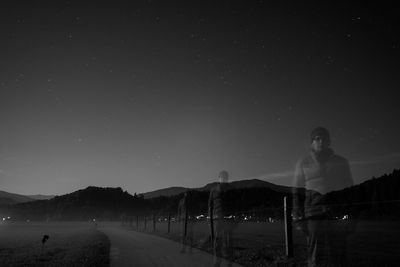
248,250
262,255
69,245
375,243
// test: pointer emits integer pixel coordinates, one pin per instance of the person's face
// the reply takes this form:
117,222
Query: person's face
223,178
320,143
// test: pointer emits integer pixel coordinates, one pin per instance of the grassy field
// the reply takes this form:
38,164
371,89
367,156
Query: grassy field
374,243
69,244
255,244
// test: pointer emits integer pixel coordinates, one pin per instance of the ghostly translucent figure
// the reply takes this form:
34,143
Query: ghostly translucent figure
317,174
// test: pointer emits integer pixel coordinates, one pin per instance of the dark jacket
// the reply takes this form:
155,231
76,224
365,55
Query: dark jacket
315,176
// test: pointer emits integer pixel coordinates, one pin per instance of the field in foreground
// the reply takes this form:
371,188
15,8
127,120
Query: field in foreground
69,244
374,243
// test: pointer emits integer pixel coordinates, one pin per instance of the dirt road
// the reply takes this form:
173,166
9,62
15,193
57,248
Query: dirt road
131,248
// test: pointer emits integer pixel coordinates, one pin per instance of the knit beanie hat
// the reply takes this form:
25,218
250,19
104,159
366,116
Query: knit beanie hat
320,131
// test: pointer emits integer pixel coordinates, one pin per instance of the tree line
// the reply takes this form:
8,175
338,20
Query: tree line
377,197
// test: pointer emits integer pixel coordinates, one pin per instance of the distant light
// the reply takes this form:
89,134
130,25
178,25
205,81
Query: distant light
345,217
4,219
94,220
8,217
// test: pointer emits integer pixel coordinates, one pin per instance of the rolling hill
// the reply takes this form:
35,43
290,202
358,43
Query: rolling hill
14,198
375,197
171,191
41,197
7,198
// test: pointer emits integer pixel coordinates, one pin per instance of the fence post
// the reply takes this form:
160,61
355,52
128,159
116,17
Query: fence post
154,222
145,222
137,222
169,222
212,227
186,223
288,227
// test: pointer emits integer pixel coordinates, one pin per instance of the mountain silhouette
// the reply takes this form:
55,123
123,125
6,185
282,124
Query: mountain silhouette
14,197
372,198
41,197
83,204
171,191
7,198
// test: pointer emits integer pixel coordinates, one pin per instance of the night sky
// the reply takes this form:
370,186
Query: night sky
150,94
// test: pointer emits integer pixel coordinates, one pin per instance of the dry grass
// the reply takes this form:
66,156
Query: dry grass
70,244
249,247
375,243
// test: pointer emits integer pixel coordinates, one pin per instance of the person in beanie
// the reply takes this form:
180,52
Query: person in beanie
318,173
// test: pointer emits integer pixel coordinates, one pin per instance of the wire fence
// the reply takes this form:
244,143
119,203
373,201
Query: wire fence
372,233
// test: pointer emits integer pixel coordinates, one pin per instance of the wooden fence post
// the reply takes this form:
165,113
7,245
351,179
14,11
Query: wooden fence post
154,222
169,223
288,227
212,228
186,223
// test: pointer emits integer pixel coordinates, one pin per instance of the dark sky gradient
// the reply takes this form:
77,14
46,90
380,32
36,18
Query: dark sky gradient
152,94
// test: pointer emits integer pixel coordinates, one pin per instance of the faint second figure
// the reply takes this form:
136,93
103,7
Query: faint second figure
318,173
187,221
221,213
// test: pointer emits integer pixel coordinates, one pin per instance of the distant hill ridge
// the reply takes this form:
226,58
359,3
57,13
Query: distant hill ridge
171,191
41,197
91,202
15,197
11,198
378,196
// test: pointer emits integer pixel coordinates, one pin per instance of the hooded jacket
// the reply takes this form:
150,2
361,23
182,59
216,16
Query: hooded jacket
316,175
